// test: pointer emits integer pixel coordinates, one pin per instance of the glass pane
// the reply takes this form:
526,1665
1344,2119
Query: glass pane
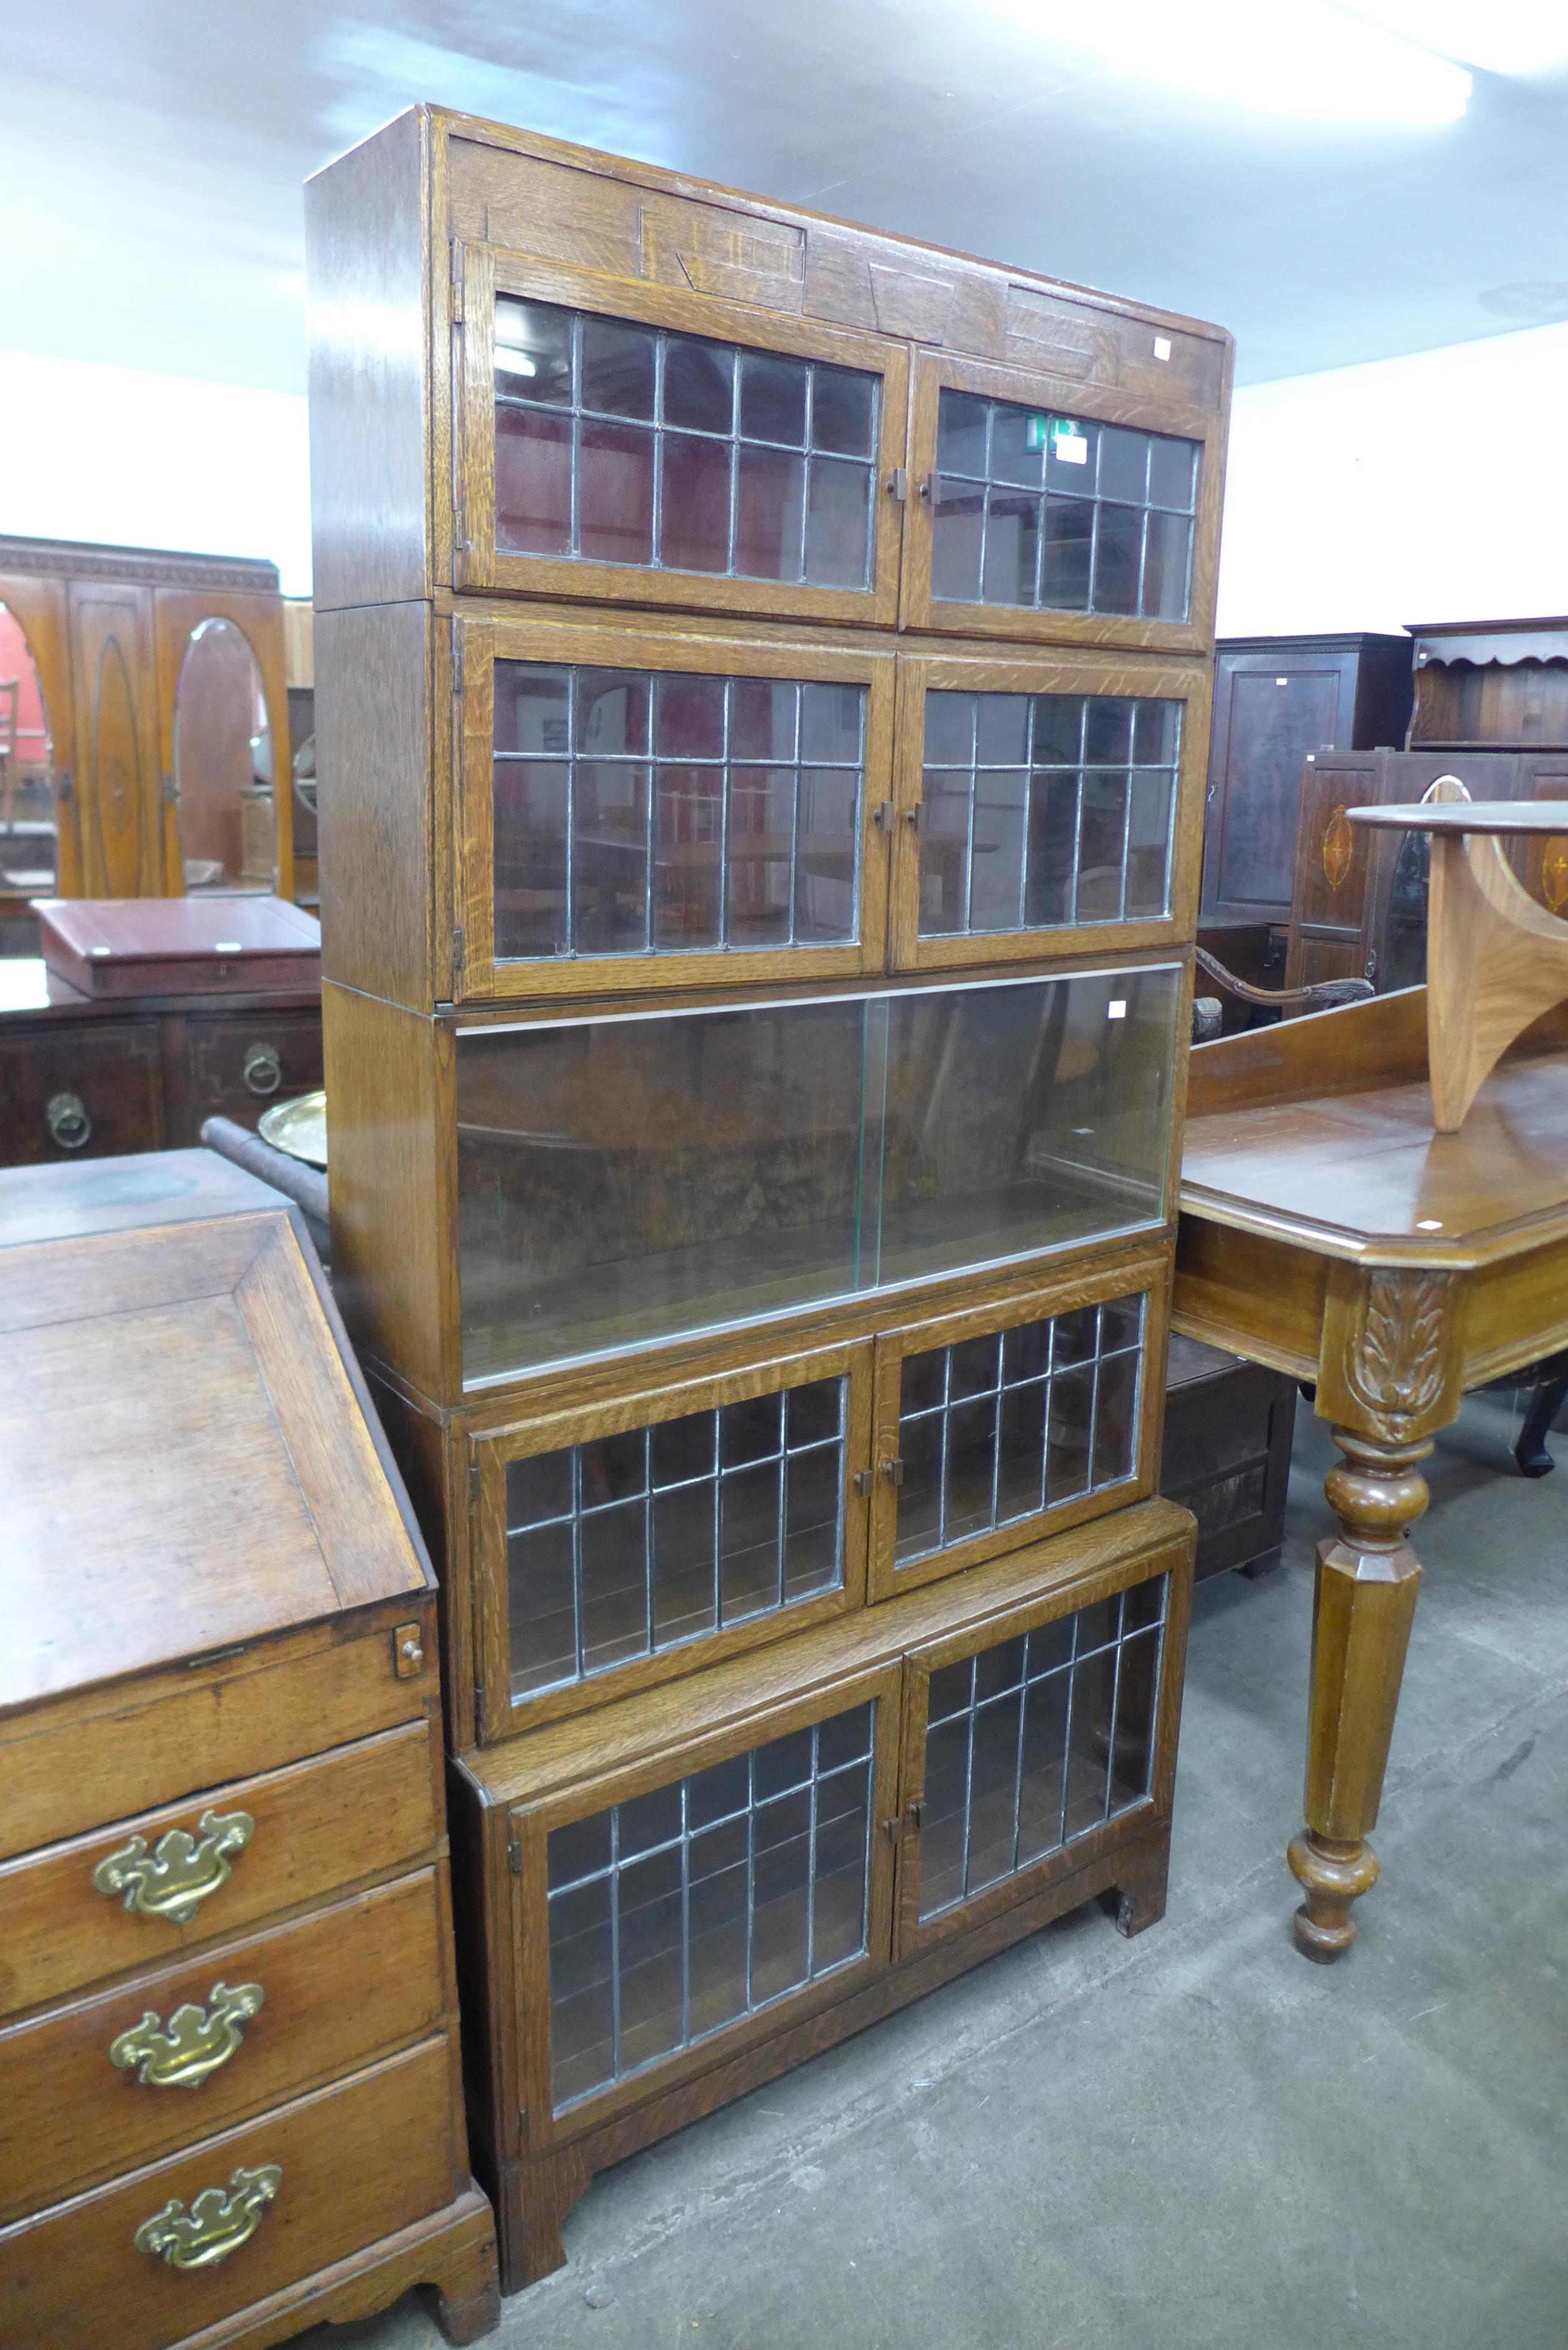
29,820
838,525
1062,525
674,1916
533,481
622,1180
998,1427
638,1541
222,761
727,856
1102,845
590,411
695,481
996,889
615,493
1040,1741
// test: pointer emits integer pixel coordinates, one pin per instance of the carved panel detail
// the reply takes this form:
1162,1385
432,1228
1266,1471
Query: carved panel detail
1396,1366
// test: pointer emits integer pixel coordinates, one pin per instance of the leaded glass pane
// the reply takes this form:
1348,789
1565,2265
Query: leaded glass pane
1044,811
602,849
629,1544
997,1429
1038,510
1037,1741
684,1911
627,445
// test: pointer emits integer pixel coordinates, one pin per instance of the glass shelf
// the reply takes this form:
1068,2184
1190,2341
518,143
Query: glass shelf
630,1178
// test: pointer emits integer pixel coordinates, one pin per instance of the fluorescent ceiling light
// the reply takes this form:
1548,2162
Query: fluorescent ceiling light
1308,58
1505,37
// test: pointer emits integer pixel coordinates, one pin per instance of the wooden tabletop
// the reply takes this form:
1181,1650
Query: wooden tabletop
1320,1132
1465,815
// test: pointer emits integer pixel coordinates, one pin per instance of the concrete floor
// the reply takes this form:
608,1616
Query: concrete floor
1196,2139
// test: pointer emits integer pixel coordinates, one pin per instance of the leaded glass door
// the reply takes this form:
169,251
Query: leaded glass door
644,445
639,813
1062,512
1040,809
1001,1423
675,1912
1030,1747
629,1542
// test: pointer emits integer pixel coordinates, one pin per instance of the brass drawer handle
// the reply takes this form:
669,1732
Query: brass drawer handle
173,1880
216,2224
65,1117
194,2042
262,1069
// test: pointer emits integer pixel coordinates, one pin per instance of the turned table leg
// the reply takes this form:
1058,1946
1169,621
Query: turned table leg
1362,1607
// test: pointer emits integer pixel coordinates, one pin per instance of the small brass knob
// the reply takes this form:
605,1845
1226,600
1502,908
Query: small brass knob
65,1117
262,1069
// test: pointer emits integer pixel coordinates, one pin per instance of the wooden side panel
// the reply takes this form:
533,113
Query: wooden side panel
369,270
376,820
1235,1289
118,782
394,1210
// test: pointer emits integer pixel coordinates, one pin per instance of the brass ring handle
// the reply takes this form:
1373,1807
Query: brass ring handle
173,1880
194,2041
262,1069
217,2223
65,1117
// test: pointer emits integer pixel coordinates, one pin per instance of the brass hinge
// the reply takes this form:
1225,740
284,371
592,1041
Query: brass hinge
515,1855
171,790
457,661
913,1812
479,1702
459,950
456,283
473,1480
899,484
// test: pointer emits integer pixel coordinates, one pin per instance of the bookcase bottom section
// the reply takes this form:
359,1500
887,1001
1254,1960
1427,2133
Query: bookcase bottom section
533,2196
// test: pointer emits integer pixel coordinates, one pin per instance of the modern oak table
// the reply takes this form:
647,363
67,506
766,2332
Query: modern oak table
1327,1230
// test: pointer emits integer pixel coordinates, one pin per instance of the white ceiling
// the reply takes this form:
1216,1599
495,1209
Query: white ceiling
151,154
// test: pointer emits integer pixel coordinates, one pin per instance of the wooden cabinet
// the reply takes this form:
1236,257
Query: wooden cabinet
1500,683
1275,699
84,1079
1226,1452
761,739
706,1886
1360,907
165,757
228,2025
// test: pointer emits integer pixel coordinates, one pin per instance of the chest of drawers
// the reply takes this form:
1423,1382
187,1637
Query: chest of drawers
230,2076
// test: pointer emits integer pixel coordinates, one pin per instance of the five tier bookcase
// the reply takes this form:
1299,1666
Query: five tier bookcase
762,681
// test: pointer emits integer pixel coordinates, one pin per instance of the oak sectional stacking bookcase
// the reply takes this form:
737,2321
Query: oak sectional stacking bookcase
764,670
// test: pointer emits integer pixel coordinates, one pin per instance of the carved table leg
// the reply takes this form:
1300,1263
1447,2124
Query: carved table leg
1362,1608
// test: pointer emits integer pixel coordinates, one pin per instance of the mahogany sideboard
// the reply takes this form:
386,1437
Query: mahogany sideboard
89,1080
229,2082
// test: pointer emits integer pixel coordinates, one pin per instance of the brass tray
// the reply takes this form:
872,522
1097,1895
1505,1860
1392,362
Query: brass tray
298,1126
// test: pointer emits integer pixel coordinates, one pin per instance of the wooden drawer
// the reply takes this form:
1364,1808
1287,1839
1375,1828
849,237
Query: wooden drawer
357,2162
79,1090
339,1987
111,1752
238,1062
359,1811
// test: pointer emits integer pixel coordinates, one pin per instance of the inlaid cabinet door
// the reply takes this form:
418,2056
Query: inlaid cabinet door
646,444
1044,807
628,1542
998,1424
669,1913
38,606
118,780
1049,511
1031,1743
642,811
